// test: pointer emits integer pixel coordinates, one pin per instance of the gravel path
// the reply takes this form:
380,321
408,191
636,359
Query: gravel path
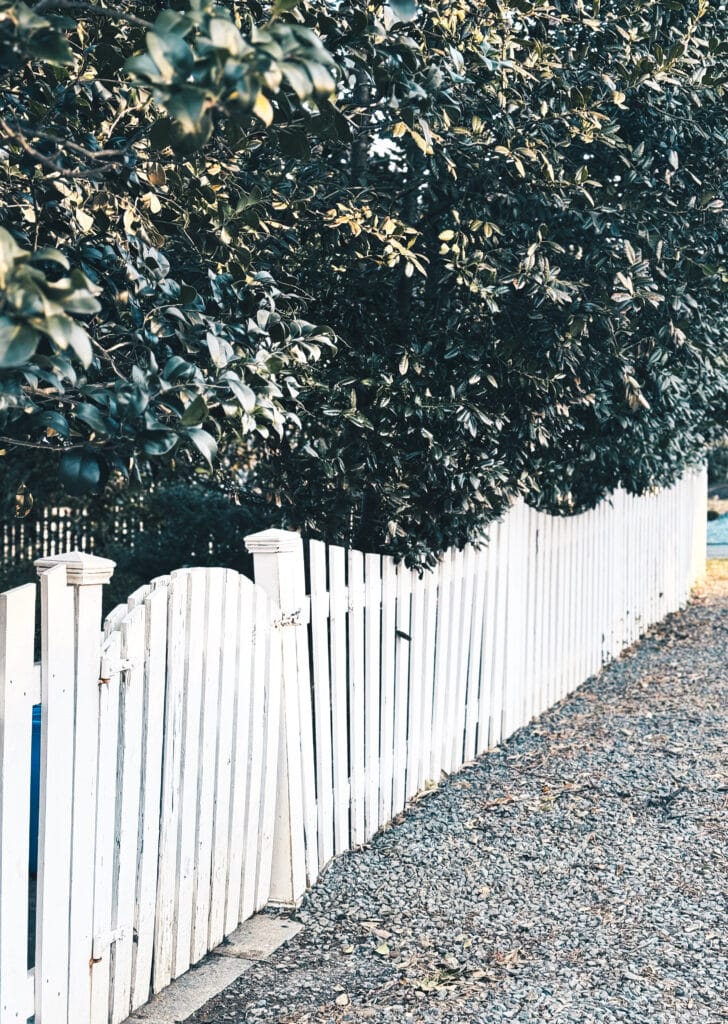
577,874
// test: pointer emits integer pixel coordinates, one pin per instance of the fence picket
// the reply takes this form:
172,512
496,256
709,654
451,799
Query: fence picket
498,637
455,645
270,773
223,783
356,695
416,672
535,611
128,790
56,796
17,627
106,792
428,676
401,686
563,686
81,935
207,705
530,587
475,645
307,768
485,694
155,645
241,746
462,658
322,698
386,735
339,689
514,625
373,627
442,667
260,669
169,813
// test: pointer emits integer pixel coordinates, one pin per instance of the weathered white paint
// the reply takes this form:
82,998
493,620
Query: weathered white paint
417,651
263,645
223,785
471,652
128,802
241,752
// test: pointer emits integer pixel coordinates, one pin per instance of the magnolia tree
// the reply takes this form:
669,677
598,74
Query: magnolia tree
509,216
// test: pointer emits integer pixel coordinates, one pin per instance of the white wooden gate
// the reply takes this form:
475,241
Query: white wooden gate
157,784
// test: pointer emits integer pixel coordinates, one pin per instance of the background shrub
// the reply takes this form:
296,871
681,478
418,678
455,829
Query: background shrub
184,524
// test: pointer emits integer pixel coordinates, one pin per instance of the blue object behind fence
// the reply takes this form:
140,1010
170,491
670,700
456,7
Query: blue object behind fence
718,530
34,790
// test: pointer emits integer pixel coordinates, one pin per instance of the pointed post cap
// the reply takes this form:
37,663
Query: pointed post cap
82,569
272,542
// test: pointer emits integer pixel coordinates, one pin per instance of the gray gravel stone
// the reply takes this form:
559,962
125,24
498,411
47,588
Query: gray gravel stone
578,874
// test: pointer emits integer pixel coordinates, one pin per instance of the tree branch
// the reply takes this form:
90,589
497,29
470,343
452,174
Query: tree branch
89,154
39,445
114,13
15,135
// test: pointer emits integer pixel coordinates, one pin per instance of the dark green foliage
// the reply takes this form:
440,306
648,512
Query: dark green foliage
533,268
511,216
718,464
184,524
135,325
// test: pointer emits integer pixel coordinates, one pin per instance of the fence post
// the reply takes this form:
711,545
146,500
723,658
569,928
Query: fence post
86,575
279,570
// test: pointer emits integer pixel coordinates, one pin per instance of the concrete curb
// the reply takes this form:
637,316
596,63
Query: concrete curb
253,942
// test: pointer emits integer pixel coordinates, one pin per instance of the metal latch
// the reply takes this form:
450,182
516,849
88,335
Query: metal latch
103,942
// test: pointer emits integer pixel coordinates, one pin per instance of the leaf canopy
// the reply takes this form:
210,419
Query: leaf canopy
509,214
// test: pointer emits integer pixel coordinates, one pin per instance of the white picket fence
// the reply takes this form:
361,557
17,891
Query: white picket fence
213,745
401,677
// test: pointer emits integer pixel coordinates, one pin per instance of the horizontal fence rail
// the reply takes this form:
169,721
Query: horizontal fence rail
213,743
